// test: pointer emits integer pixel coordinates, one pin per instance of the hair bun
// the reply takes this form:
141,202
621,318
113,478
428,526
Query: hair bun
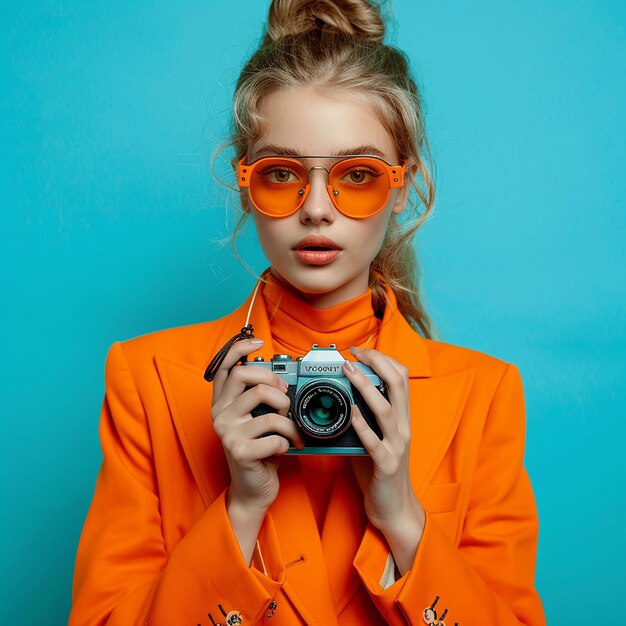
358,18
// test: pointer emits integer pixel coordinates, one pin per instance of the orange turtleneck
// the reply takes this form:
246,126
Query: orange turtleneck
295,327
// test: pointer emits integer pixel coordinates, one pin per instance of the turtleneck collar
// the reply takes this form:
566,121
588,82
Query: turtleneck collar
297,325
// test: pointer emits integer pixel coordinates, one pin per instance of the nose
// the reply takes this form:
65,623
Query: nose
317,207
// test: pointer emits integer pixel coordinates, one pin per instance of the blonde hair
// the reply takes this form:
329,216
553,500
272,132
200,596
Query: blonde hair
337,45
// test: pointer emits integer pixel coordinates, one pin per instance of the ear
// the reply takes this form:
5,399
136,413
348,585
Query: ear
403,192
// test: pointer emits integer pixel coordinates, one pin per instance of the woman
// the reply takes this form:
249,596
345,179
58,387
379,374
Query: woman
198,516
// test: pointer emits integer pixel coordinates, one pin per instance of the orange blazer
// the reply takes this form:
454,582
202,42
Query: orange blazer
157,547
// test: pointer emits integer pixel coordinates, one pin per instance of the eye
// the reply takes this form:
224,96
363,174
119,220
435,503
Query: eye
359,175
279,175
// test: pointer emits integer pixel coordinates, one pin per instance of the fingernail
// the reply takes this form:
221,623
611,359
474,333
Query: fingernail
284,385
349,366
256,342
355,350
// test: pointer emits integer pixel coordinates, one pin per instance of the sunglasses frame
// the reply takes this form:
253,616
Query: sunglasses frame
395,176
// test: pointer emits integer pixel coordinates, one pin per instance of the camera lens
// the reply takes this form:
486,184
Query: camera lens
322,409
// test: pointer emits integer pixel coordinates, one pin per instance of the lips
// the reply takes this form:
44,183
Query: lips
317,250
316,242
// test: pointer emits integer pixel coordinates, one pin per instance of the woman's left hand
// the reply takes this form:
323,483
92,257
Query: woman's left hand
390,502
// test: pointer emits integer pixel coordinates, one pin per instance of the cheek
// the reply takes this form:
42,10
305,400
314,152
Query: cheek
372,235
270,233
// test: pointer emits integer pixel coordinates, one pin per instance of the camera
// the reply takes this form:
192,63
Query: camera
321,399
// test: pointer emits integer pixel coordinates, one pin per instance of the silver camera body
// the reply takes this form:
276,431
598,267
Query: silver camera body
321,399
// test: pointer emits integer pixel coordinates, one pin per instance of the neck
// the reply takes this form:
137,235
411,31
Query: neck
296,325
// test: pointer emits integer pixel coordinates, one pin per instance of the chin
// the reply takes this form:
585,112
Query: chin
313,283
319,283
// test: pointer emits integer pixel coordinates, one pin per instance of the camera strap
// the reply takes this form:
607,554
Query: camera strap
247,332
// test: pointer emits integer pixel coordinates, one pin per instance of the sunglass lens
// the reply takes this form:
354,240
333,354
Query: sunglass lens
277,186
359,187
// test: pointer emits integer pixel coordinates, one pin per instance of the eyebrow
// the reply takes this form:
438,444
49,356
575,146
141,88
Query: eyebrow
276,150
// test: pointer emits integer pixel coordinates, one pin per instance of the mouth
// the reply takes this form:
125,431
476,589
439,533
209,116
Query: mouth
317,243
317,250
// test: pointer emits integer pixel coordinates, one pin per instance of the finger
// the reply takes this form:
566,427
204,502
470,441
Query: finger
382,409
275,424
372,444
252,451
237,442
237,350
404,373
394,374
242,377
242,406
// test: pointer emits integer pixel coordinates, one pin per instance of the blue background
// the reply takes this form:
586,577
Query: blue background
112,227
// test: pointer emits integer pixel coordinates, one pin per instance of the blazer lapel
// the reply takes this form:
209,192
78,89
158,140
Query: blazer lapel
189,400
436,407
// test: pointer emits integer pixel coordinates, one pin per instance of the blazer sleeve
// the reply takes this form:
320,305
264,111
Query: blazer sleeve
487,577
124,575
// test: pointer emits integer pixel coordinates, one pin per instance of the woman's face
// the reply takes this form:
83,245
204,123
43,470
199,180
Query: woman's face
305,122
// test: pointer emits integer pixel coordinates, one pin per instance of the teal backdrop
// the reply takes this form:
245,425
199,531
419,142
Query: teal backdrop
112,226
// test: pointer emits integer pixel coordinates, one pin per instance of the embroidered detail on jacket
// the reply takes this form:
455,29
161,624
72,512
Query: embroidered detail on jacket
233,618
271,609
430,615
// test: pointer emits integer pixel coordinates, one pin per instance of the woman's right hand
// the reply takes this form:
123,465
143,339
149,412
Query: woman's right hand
253,460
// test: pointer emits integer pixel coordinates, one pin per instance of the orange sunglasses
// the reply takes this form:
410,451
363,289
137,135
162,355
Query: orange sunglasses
358,185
